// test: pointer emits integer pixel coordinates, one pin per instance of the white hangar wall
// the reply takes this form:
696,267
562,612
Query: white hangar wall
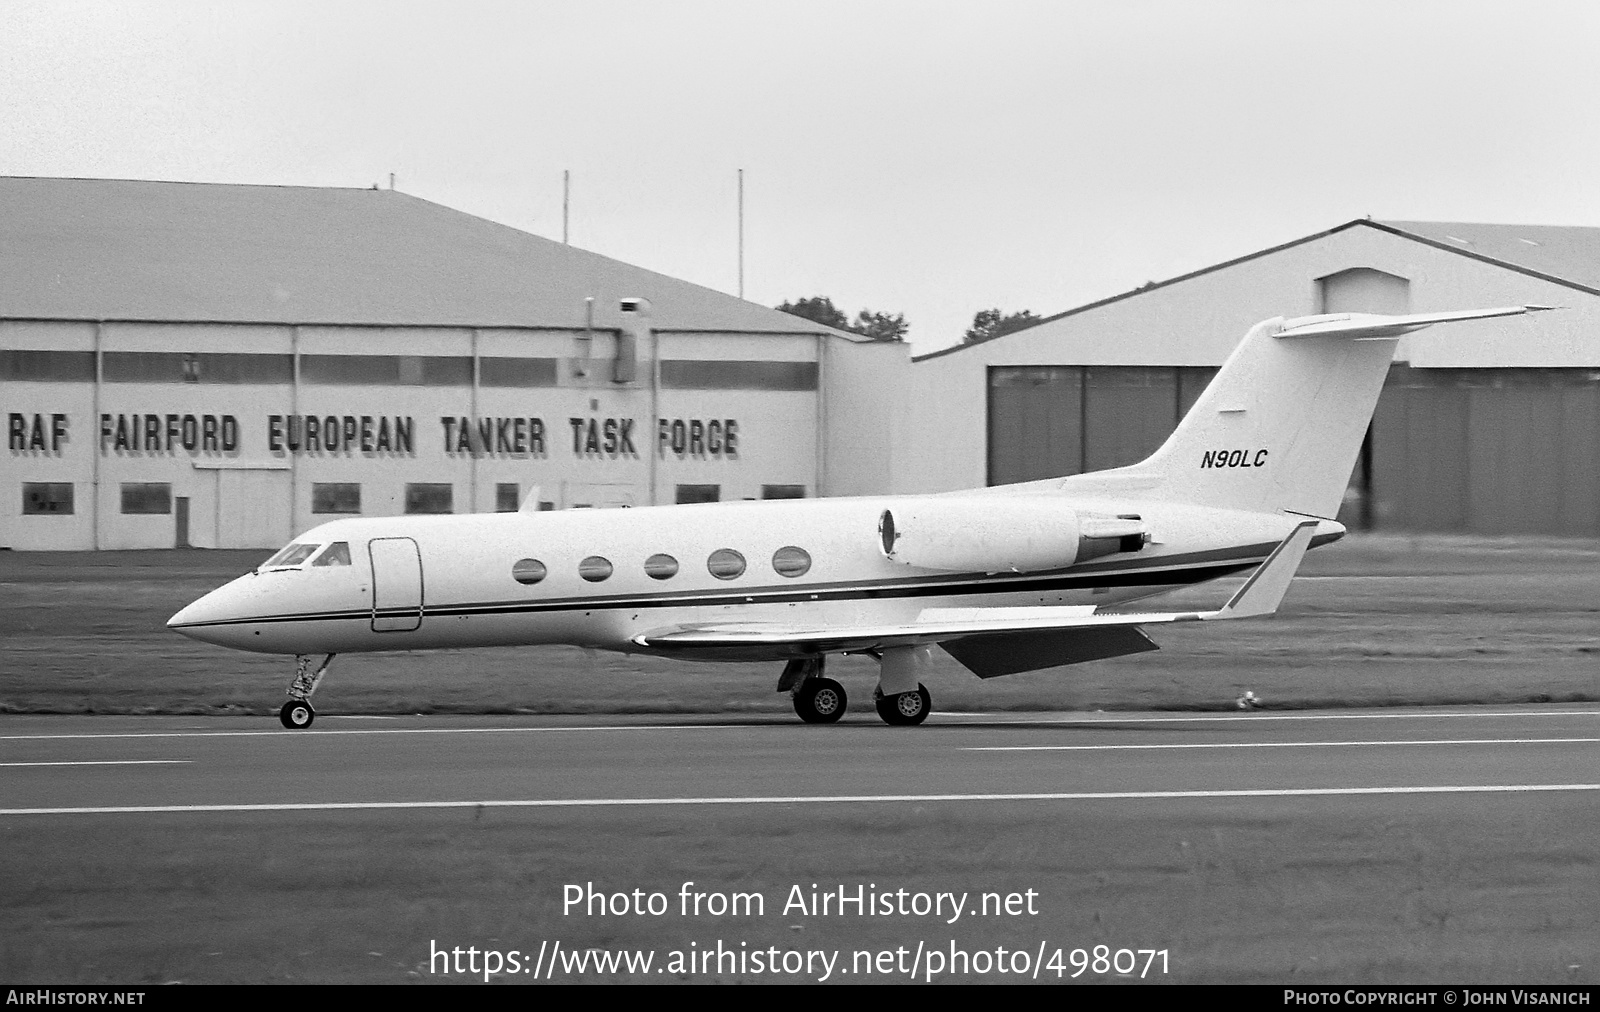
251,463
171,393
1488,426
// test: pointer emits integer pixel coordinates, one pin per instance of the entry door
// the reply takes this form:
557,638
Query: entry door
396,584
183,521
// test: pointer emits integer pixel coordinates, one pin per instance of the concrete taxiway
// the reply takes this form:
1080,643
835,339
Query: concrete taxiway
127,764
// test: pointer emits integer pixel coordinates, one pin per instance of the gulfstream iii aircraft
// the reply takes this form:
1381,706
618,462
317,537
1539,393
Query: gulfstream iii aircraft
1005,579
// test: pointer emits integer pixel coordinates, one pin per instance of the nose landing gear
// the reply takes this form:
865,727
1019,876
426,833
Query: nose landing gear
297,713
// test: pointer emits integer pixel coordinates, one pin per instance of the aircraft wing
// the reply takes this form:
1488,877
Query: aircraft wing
1260,595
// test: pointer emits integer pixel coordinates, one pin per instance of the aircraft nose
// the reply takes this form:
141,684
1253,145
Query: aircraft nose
192,617
210,619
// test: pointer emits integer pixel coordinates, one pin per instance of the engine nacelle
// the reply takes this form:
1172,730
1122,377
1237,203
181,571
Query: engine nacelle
1000,534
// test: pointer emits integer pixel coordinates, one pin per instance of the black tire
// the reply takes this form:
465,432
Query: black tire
820,701
297,714
905,708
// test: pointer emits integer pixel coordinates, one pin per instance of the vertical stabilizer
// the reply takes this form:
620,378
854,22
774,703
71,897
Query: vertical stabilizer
1280,426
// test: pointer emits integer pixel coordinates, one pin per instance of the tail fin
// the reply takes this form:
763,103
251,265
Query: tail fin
1280,426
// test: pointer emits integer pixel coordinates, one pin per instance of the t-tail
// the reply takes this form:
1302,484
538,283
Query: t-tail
1280,426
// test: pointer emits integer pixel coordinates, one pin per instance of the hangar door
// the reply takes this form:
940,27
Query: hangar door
1049,421
252,508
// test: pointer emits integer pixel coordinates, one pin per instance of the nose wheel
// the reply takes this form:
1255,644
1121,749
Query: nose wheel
297,714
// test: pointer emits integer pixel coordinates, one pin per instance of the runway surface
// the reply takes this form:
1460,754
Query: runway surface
130,764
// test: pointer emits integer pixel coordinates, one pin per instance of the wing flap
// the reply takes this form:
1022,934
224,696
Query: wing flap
1011,653
1260,595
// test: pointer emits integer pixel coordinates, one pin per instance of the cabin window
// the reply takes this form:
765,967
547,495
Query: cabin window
293,555
661,567
594,569
725,564
337,554
529,571
791,561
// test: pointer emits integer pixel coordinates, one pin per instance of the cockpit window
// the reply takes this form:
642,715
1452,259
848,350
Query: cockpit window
290,556
337,554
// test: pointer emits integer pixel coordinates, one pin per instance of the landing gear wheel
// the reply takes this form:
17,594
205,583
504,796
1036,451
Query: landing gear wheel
297,714
906,707
820,701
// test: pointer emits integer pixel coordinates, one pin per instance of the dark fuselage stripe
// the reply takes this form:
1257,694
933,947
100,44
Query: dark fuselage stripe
815,594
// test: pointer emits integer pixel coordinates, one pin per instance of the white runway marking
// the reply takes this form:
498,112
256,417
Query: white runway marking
108,762
1279,744
1101,716
846,799
942,720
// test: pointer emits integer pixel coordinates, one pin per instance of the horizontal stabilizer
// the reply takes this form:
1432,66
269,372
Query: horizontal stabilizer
1371,326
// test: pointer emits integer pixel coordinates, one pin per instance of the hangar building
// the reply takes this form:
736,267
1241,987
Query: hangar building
225,366
1488,427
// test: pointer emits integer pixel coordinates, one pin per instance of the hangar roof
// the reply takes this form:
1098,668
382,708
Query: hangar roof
112,249
1564,254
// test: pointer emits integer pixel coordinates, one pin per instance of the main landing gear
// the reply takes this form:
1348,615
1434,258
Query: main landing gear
817,700
821,700
297,713
904,708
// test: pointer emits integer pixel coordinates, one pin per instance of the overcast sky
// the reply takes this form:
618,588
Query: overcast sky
931,159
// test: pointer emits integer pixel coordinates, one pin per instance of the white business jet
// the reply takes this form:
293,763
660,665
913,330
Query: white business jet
1005,579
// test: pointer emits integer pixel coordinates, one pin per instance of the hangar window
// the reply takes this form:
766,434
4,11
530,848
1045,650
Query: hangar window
292,555
783,491
335,497
791,561
47,498
337,554
725,564
528,571
430,497
516,372
699,493
193,367
506,499
386,370
47,366
594,569
146,497
688,374
661,567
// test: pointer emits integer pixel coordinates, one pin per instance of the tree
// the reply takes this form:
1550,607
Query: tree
817,309
881,326
877,326
992,323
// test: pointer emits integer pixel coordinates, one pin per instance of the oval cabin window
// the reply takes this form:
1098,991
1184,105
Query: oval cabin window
529,571
661,567
594,569
791,561
725,564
